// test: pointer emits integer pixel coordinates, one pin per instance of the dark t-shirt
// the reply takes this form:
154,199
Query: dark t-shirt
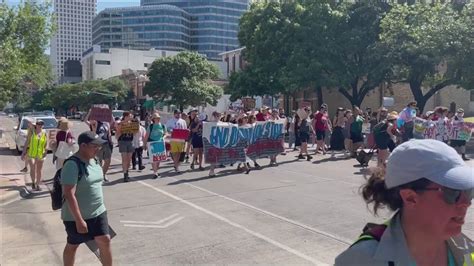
63,136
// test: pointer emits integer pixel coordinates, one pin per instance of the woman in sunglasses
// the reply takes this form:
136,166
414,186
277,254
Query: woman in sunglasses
430,189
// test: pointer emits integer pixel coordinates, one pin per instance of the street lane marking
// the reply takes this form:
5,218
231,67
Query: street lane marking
307,227
158,222
149,225
234,224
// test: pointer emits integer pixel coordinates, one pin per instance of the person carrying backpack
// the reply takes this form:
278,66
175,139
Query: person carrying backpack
83,211
429,188
155,132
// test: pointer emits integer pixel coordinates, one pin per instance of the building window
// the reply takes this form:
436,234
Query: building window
102,62
147,65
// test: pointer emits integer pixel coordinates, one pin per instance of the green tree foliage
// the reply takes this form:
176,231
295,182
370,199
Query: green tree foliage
82,95
25,31
313,44
430,47
184,80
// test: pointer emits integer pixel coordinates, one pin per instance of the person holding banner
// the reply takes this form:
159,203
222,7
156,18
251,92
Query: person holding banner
457,144
138,143
125,139
177,147
196,140
442,124
155,132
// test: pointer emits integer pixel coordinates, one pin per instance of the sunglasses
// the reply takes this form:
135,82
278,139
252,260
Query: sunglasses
452,196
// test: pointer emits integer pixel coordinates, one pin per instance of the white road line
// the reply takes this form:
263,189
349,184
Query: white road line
155,226
221,218
158,222
307,227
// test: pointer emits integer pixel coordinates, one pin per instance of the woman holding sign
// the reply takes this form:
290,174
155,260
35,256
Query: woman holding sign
124,135
155,132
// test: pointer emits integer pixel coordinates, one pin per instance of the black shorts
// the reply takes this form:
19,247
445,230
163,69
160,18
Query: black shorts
357,137
304,137
97,226
320,135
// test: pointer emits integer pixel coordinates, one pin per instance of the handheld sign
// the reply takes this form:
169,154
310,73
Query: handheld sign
131,127
248,103
180,135
102,113
157,151
52,138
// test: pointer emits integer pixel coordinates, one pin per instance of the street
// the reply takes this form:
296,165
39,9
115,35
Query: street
297,213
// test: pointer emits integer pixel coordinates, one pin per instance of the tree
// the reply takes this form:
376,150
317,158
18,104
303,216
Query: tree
82,95
429,46
184,80
24,35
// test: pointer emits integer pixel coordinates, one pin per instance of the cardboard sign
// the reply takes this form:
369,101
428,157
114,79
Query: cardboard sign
101,114
248,103
52,138
157,150
131,127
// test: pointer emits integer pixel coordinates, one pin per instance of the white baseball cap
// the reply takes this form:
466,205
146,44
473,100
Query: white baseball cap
430,159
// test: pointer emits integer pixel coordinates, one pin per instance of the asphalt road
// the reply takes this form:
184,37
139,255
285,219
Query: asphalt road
297,213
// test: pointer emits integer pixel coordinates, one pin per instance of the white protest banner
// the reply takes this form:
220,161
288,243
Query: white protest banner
157,150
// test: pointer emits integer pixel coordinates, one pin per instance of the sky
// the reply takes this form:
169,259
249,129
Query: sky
101,4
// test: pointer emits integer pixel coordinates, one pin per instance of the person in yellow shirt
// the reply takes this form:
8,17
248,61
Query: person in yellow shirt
35,151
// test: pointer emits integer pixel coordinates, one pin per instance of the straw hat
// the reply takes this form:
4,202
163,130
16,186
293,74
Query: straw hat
392,116
155,115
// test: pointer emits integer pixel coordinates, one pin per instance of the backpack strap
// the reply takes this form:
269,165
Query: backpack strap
375,232
82,169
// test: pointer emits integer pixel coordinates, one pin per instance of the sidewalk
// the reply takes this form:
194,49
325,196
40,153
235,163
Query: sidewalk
12,182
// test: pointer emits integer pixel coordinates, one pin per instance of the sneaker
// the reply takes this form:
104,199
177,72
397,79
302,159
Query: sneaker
141,167
33,186
134,168
24,170
192,166
256,165
187,158
201,168
300,157
155,176
38,188
309,157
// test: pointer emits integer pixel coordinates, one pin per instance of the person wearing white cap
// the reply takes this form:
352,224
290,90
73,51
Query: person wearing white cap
35,151
430,188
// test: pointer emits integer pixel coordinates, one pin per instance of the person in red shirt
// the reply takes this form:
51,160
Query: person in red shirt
263,115
321,121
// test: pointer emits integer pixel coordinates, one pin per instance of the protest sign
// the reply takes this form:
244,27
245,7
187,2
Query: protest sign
248,103
424,129
130,127
52,138
180,135
101,113
264,138
461,131
222,144
157,150
304,104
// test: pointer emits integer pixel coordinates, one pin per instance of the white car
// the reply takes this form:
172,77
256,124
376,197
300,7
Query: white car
50,123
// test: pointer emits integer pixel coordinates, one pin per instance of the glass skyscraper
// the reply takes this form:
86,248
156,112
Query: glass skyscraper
206,26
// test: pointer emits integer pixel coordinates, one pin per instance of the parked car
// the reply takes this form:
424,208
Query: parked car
50,123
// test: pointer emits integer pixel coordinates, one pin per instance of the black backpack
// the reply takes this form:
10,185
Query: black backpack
57,199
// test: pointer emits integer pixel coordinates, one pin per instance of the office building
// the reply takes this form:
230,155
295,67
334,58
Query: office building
208,27
72,37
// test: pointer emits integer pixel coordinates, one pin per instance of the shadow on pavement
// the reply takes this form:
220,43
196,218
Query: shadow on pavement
334,159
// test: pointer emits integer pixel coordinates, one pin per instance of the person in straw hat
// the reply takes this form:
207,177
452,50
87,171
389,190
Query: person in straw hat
64,135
